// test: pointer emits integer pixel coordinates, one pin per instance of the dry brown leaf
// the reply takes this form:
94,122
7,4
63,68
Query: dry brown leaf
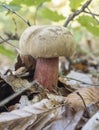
78,79
16,83
63,88
56,98
67,122
46,114
45,119
90,96
19,117
81,65
18,123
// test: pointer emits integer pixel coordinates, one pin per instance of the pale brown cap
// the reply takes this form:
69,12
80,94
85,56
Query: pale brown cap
47,41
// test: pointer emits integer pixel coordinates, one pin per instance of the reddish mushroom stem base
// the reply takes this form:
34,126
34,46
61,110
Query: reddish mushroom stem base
46,72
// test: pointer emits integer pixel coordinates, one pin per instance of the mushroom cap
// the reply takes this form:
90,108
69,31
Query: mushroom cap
47,41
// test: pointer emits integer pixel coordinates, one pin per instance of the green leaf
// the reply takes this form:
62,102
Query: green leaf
90,24
51,15
6,52
28,2
74,4
38,2
24,2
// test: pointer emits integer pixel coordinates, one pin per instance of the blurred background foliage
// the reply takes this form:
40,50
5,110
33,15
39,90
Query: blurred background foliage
84,27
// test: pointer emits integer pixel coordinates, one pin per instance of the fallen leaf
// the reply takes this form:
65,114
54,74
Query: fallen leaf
78,79
90,96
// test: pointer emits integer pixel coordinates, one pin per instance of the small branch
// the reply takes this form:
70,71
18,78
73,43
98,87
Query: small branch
92,15
97,85
6,40
27,22
10,36
9,43
77,12
8,99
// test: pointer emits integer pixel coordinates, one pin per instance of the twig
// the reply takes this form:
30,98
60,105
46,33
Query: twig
14,12
93,15
10,37
4,40
8,99
77,12
81,81
83,103
9,44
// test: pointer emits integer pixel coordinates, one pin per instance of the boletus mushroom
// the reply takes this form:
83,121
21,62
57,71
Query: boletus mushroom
46,43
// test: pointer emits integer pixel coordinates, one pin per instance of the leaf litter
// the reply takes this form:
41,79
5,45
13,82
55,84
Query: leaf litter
37,108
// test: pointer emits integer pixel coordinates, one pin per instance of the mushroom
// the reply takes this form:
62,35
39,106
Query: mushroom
46,43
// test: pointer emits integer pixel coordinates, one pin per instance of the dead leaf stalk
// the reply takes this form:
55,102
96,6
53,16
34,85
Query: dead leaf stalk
88,115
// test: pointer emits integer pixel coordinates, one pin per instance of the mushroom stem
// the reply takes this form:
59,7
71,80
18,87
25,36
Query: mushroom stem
46,72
